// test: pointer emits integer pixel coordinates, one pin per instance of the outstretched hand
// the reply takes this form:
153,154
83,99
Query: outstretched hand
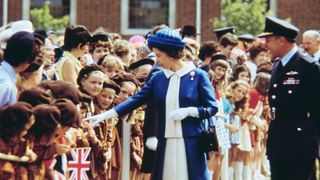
95,120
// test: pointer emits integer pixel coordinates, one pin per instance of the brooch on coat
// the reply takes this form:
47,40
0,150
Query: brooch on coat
192,73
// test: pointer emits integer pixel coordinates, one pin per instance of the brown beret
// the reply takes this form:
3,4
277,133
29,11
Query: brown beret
47,119
86,70
123,77
69,113
112,85
141,62
62,89
15,116
35,96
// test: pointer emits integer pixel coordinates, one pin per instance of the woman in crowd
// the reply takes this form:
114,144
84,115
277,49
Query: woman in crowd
184,96
76,44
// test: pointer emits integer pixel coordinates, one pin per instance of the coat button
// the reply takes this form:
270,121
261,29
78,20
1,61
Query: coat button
298,129
290,92
273,96
275,85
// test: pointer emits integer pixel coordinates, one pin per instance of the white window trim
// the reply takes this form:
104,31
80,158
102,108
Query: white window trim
124,26
73,12
273,7
26,10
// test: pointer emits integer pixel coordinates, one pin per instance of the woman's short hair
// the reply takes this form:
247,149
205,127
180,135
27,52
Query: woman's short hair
75,35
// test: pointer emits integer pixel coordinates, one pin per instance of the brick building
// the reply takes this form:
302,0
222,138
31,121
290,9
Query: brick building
137,16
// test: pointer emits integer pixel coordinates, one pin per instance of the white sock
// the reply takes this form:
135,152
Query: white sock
247,172
230,173
238,169
257,169
224,167
210,174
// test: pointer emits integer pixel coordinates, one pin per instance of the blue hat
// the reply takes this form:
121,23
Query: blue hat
279,27
167,39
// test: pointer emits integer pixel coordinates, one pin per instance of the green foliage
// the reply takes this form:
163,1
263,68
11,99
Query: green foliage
247,16
42,19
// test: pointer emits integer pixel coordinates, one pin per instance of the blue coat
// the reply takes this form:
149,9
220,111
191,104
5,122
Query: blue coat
195,91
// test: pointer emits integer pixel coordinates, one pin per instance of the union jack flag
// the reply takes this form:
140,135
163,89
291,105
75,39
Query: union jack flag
79,164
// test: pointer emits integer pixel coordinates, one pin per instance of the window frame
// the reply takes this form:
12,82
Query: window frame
124,26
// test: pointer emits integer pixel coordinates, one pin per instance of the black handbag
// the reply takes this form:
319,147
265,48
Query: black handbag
209,139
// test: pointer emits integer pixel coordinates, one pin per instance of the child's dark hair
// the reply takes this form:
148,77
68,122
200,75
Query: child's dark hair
261,83
208,49
112,85
238,69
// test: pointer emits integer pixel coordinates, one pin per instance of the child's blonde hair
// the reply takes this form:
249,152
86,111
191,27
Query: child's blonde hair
112,61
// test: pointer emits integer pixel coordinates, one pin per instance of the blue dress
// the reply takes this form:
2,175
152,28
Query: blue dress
195,90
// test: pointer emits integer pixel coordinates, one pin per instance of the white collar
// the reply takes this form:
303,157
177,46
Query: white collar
181,72
286,58
316,55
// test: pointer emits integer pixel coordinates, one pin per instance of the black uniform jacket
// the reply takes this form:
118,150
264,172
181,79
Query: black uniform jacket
294,101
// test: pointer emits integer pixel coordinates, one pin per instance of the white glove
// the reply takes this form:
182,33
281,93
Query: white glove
152,143
95,120
182,113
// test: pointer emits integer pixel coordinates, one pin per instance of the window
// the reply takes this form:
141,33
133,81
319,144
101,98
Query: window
139,16
58,8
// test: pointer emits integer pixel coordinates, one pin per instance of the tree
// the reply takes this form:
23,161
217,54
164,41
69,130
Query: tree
42,19
247,16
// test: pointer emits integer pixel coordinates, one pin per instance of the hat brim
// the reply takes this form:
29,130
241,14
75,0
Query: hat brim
265,34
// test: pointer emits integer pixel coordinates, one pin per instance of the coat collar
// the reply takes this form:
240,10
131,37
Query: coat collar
10,71
181,72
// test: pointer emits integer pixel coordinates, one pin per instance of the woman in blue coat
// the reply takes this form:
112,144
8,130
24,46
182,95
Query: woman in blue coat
184,97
